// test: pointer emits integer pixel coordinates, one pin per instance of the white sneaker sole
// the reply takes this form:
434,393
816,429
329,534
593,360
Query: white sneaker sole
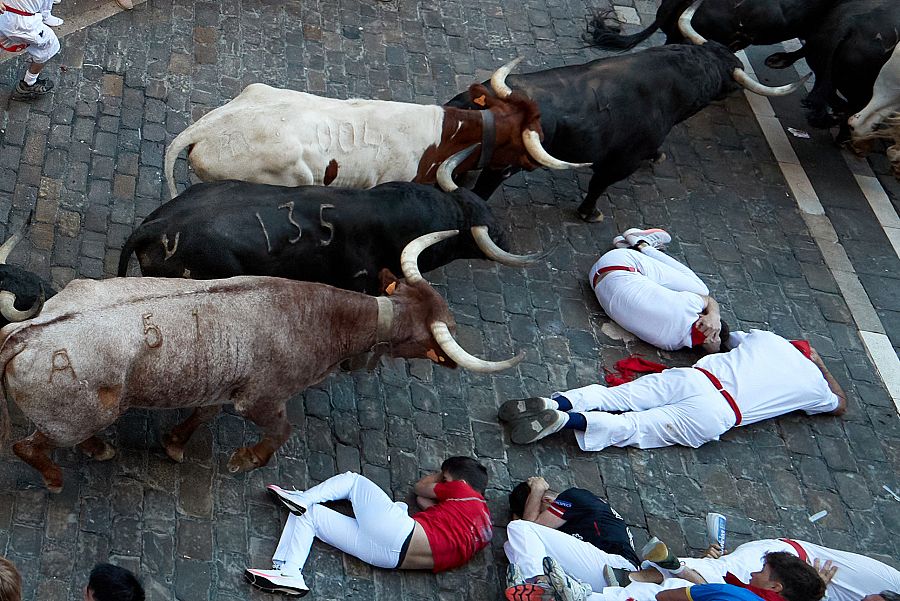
266,585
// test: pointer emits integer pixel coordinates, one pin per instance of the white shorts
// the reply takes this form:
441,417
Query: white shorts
18,33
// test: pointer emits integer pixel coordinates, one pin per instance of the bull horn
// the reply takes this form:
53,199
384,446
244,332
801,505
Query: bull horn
448,344
445,171
495,253
533,145
410,255
685,27
11,242
754,86
498,79
9,311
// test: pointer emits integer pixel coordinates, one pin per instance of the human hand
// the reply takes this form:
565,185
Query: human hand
709,325
538,484
826,572
713,552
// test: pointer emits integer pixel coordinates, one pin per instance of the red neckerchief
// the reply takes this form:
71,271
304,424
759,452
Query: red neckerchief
766,594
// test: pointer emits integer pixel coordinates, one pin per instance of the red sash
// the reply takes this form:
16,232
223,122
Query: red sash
603,270
725,393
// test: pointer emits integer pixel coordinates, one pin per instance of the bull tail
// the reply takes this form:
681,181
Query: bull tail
603,36
127,251
183,140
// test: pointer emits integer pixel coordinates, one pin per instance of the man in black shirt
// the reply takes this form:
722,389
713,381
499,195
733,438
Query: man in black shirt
575,527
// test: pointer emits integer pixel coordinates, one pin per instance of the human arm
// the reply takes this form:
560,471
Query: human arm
537,487
425,486
710,320
832,383
673,594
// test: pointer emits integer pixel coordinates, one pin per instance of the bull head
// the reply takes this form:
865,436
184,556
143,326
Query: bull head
18,277
439,328
740,76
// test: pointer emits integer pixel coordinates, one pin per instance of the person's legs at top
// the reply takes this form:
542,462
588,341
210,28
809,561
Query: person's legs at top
41,47
671,273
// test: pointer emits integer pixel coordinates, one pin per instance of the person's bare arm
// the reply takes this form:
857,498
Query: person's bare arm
710,321
424,502
832,383
537,487
425,487
673,594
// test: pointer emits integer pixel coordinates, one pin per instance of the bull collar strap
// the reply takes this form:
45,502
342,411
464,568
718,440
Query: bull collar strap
385,320
488,137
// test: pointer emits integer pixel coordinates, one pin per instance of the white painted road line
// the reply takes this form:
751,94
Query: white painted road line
871,330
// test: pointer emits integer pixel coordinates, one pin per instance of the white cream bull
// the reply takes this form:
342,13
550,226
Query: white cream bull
881,117
101,347
283,137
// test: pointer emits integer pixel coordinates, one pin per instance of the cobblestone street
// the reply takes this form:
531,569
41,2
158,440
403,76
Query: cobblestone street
88,159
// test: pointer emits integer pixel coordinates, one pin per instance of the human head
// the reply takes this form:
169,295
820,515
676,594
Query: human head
790,576
112,583
519,496
720,344
10,581
465,468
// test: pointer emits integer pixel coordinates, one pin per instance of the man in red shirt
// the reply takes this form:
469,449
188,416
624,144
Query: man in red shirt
453,525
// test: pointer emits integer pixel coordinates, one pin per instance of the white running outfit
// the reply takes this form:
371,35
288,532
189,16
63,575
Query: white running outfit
28,33
528,543
658,303
764,373
856,577
376,536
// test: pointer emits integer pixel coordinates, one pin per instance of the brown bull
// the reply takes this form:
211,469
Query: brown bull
99,348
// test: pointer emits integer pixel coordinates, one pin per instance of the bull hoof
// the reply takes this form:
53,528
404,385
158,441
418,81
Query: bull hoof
106,454
596,216
55,489
779,60
174,448
243,460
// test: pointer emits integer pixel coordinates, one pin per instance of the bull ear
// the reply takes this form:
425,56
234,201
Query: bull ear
388,281
482,96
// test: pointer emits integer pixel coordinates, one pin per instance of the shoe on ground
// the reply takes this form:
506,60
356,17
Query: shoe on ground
565,587
53,21
56,1
517,408
532,428
715,530
126,4
655,237
273,581
23,91
529,592
620,242
514,576
657,553
284,497
616,576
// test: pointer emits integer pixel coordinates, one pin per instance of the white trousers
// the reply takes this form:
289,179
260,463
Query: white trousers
637,591
656,266
528,543
677,406
375,536
18,29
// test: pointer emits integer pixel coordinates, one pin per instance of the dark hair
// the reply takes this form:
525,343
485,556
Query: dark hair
114,583
724,335
10,581
518,497
889,596
799,580
466,468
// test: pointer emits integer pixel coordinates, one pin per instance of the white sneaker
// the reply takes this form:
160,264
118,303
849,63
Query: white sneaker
620,242
532,428
715,529
655,237
284,497
56,1
273,581
53,21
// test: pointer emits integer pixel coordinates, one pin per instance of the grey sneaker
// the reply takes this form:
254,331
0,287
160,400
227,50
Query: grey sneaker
654,236
515,408
531,429
23,91
565,587
616,576
514,576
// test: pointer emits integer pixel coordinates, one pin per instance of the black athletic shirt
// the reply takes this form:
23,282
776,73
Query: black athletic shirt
591,519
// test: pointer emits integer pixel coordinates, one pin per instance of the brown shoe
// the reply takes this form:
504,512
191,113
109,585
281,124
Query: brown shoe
126,4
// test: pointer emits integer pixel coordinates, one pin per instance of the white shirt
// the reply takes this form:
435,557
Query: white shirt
768,377
856,577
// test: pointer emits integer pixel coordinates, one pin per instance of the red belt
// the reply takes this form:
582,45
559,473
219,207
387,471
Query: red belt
603,270
14,47
725,393
17,11
801,552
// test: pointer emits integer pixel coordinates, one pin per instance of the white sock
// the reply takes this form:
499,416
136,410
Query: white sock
30,78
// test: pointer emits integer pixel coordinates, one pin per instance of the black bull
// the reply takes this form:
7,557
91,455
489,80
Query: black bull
616,112
337,236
